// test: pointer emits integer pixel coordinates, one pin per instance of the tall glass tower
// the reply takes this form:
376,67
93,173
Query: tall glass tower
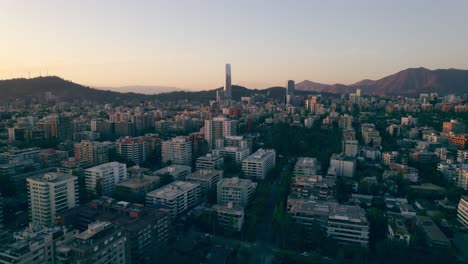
227,87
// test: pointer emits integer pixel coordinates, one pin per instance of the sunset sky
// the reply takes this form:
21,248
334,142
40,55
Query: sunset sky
187,43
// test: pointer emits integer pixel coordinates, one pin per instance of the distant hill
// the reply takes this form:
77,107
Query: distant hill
143,89
68,91
408,82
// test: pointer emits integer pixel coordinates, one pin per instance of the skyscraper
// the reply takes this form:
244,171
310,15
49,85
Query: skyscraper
291,87
290,92
227,87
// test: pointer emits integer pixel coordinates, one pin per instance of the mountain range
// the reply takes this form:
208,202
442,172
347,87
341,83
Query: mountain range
143,89
409,82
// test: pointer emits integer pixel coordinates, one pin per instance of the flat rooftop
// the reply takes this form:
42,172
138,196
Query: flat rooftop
173,189
306,162
261,155
236,182
138,182
204,174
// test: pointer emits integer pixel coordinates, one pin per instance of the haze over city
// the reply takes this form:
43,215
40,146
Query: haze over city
233,132
186,43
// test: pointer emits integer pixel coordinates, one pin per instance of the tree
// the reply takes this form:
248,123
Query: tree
165,179
392,251
378,226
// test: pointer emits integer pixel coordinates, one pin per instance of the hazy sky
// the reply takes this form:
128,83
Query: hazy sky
186,43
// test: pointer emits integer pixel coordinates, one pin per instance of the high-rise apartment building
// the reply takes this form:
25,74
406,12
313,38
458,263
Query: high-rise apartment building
218,128
100,180
259,164
462,211
50,194
177,150
178,197
237,191
93,152
210,161
136,150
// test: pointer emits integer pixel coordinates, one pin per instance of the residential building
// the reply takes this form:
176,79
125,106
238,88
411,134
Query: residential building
342,165
306,167
462,211
136,150
49,194
218,128
235,190
177,197
178,172
462,176
146,228
348,224
95,153
134,189
208,179
100,180
433,235
390,157
351,148
102,242
210,161
259,164
34,245
232,154
177,150
313,187
230,217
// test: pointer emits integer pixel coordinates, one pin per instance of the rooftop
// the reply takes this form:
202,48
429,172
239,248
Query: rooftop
138,182
173,189
105,166
204,174
172,169
306,162
52,177
261,155
236,182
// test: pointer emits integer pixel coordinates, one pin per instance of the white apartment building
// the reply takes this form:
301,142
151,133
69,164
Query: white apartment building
462,211
232,153
178,172
348,224
230,217
178,197
100,179
210,161
259,164
50,194
237,191
462,176
177,150
306,167
342,165
345,223
351,148
208,179
235,141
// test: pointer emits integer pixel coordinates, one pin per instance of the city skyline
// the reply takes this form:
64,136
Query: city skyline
185,44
